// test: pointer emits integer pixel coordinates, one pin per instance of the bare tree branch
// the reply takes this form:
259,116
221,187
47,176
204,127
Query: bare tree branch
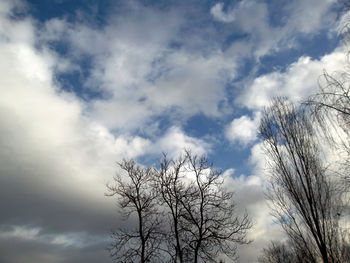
305,200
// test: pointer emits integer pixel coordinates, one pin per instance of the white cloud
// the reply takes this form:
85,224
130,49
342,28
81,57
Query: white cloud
148,83
23,232
175,141
144,77
220,15
35,234
52,155
131,147
298,81
343,23
243,129
297,18
309,16
258,160
57,158
249,197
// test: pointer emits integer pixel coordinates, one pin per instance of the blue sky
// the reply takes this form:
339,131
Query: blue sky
87,83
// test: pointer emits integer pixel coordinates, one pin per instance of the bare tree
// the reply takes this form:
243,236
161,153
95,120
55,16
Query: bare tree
210,217
171,188
189,194
334,95
136,197
280,253
304,199
209,224
330,107
287,251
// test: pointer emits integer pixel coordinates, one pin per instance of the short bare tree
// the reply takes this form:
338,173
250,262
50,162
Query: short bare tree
211,224
189,195
278,252
136,197
171,188
204,223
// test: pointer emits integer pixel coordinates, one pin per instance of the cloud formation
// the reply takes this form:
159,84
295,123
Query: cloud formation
297,82
243,129
219,14
268,33
54,160
77,96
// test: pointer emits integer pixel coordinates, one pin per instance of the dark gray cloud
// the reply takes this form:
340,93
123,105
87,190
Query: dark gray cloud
15,250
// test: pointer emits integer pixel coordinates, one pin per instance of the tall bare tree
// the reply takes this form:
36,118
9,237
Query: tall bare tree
305,200
330,107
334,95
136,197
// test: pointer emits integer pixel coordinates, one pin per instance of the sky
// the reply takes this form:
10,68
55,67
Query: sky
85,84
